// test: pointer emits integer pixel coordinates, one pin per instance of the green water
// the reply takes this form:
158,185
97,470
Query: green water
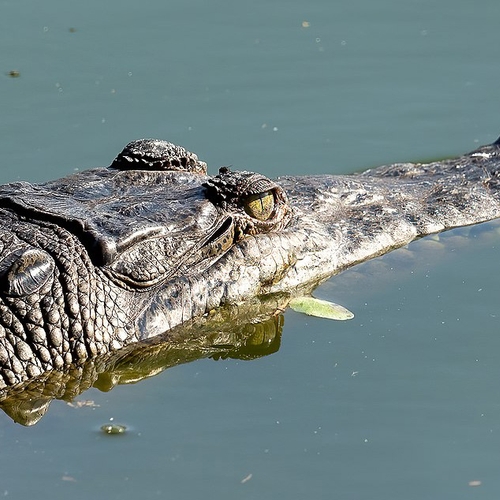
402,402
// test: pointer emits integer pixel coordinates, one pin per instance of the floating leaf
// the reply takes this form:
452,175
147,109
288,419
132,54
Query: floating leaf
320,308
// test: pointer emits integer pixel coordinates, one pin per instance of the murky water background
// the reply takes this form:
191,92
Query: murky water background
402,401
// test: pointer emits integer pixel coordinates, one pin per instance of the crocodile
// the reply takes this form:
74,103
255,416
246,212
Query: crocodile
110,257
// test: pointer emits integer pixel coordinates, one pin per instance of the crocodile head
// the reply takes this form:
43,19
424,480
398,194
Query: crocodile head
86,261
105,257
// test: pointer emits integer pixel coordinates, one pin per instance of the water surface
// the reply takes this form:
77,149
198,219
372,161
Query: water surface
402,401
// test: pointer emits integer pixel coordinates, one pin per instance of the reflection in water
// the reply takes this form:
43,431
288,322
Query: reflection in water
244,332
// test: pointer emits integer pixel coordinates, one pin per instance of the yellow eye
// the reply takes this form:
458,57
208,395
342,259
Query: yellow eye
260,206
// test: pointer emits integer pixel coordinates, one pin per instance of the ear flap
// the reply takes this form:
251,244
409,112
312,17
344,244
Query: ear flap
25,271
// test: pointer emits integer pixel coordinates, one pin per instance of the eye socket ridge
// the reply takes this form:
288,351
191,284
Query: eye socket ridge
258,203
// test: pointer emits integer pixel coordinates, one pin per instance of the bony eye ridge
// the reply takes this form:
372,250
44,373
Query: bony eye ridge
256,203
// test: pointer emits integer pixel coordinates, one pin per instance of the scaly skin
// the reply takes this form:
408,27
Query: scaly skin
101,259
76,314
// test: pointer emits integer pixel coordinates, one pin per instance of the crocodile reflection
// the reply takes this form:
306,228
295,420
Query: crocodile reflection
246,332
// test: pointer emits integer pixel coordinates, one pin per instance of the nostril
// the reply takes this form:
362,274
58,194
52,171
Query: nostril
25,271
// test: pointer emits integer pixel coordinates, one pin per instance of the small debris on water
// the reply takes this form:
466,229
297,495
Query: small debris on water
81,404
113,428
475,483
14,73
247,478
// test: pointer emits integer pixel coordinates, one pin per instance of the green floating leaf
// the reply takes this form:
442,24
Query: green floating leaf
320,308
